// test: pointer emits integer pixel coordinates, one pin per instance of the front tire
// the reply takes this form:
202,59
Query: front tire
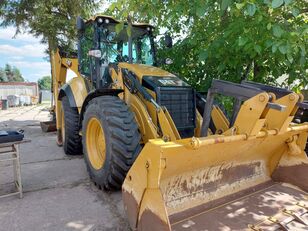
111,141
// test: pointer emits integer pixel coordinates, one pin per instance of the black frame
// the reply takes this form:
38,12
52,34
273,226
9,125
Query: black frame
95,74
240,92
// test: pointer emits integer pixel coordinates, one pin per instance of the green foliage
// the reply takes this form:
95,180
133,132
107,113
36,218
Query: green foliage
3,77
44,83
225,4
10,74
54,20
229,39
276,3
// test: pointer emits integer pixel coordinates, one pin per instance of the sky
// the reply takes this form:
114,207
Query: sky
25,52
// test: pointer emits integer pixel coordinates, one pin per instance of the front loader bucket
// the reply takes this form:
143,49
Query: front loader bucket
254,177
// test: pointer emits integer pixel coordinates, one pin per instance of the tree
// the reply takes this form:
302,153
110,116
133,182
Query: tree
54,20
17,77
44,83
227,39
10,74
3,77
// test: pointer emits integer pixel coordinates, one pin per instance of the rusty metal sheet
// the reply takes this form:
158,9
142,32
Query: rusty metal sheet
197,187
296,175
245,211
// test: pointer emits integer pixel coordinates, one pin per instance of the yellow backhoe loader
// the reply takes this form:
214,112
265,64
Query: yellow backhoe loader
180,166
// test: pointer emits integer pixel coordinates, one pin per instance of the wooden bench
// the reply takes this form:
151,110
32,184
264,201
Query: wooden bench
10,152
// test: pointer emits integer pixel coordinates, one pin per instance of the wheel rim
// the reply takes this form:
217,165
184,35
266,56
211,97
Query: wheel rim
62,126
95,143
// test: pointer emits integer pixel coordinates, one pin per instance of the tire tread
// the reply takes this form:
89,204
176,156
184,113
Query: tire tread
72,144
124,137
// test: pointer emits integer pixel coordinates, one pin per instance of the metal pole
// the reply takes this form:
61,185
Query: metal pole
130,41
207,112
236,108
130,50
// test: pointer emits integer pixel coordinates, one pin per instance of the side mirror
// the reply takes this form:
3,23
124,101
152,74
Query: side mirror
95,53
168,41
80,24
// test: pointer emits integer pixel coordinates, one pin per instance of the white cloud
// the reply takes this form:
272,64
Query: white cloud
31,50
34,65
32,71
8,33
16,57
37,75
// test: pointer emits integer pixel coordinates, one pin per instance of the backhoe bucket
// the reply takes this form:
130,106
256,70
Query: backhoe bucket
48,126
253,177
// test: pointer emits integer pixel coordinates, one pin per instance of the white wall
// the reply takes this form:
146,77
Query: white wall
6,90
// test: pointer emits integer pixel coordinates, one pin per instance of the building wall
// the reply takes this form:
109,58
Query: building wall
45,95
12,88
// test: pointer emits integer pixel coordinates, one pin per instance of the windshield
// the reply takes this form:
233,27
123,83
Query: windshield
114,46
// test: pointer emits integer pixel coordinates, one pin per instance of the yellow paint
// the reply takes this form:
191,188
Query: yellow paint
151,108
171,124
280,120
70,63
79,90
219,119
146,126
58,79
294,149
146,115
249,120
143,70
116,79
95,143
154,202
59,68
199,121
172,164
181,170
167,125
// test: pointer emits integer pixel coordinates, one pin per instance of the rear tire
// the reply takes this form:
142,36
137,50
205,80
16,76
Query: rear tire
70,129
109,163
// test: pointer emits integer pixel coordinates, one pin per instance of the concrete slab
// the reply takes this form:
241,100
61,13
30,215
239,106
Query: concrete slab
58,194
68,208
48,174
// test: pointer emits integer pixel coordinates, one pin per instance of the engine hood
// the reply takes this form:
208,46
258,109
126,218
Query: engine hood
145,70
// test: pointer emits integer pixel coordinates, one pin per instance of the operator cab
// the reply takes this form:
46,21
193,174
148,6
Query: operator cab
104,42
